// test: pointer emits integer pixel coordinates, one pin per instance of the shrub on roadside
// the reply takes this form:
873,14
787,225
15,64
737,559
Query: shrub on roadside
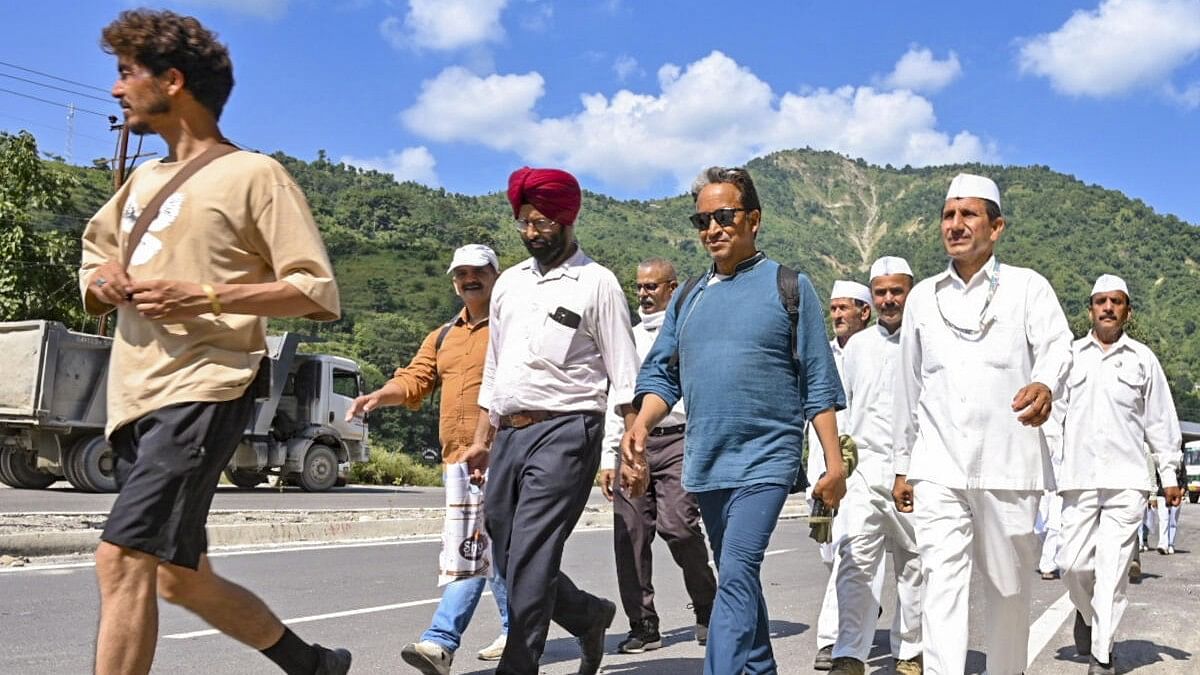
386,467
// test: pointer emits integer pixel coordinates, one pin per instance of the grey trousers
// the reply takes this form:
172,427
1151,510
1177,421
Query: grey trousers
538,484
672,512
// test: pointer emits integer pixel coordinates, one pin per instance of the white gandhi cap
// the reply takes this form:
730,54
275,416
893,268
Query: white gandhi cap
970,185
475,255
851,289
1110,282
889,264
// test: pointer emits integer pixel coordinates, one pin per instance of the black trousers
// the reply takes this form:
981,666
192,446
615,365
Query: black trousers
672,512
538,484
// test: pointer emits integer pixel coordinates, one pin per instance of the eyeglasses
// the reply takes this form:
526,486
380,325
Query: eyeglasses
724,217
653,285
543,225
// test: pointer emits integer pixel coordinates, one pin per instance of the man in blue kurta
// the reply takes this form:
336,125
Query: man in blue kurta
727,350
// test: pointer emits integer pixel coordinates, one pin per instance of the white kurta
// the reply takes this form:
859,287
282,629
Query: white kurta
1116,403
954,424
977,471
872,523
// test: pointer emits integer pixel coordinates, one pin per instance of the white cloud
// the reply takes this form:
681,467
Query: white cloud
266,9
538,17
626,66
1188,97
712,111
1120,46
458,105
919,70
445,24
415,164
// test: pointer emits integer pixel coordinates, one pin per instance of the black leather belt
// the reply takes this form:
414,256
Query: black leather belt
520,420
668,431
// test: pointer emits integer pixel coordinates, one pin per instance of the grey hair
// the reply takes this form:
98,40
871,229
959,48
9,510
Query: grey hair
662,263
736,176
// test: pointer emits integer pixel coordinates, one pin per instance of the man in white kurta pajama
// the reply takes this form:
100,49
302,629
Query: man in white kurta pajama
849,313
1117,401
984,348
871,522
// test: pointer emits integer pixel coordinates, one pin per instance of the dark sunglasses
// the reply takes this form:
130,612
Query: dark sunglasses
653,285
724,217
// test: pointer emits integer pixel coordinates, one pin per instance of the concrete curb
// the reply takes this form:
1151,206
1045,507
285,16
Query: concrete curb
262,534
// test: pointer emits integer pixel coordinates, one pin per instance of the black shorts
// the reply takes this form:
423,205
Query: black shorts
168,463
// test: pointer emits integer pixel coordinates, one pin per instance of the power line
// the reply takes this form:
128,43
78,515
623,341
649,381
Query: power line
54,77
61,105
51,86
36,123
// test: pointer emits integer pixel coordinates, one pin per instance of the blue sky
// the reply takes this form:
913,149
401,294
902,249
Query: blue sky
635,97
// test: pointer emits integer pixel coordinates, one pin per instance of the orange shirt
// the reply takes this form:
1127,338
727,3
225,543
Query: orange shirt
458,365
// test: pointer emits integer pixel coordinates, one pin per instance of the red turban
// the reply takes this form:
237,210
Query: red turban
553,192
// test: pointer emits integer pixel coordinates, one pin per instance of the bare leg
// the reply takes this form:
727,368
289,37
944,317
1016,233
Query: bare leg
226,606
128,610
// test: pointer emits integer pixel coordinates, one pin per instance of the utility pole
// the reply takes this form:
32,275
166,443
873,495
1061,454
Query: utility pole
70,130
122,152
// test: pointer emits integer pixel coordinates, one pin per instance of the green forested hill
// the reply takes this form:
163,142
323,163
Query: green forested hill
824,214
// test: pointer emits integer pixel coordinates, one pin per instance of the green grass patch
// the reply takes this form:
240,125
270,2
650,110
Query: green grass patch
387,467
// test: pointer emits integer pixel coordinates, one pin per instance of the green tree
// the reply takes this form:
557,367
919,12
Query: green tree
37,265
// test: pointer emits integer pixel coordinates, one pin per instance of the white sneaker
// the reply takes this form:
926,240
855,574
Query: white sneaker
493,651
428,657
701,634
1170,550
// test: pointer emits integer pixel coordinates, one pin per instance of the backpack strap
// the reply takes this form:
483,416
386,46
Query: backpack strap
437,347
789,295
148,214
681,294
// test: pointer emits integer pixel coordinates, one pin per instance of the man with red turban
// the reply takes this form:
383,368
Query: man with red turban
560,354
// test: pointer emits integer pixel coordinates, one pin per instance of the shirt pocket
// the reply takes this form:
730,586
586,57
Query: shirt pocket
1130,385
553,342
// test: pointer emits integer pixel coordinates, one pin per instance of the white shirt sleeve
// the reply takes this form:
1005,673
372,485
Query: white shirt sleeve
1048,334
495,336
1163,434
614,429
614,339
907,393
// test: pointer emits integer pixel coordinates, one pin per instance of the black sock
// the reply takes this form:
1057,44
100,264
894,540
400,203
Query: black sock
293,655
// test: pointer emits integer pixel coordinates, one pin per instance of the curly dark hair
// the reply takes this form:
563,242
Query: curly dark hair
163,39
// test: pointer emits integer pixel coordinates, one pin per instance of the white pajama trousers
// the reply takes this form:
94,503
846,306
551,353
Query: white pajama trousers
1099,533
957,529
829,618
1049,524
874,526
1168,523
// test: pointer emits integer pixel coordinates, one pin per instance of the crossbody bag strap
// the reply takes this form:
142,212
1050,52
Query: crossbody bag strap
142,224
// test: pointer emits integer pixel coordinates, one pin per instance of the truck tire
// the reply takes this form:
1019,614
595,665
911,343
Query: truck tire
245,479
18,468
89,465
320,469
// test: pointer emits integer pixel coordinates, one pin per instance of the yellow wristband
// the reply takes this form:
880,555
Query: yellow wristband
212,298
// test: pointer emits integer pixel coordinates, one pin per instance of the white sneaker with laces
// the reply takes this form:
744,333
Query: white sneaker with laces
493,651
428,657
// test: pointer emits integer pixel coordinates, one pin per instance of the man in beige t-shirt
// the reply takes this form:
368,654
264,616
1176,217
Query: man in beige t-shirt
233,244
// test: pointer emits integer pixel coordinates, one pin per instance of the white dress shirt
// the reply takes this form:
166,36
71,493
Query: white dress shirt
644,335
535,362
954,424
1117,402
869,375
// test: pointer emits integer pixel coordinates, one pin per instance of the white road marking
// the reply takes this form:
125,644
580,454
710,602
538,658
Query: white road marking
1043,630
320,617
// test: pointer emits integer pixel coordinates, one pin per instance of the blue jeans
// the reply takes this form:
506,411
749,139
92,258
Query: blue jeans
454,612
739,523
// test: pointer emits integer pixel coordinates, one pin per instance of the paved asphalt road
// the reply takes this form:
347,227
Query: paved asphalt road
61,497
373,598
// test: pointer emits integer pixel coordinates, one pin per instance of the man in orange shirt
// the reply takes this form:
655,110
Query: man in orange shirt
452,355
